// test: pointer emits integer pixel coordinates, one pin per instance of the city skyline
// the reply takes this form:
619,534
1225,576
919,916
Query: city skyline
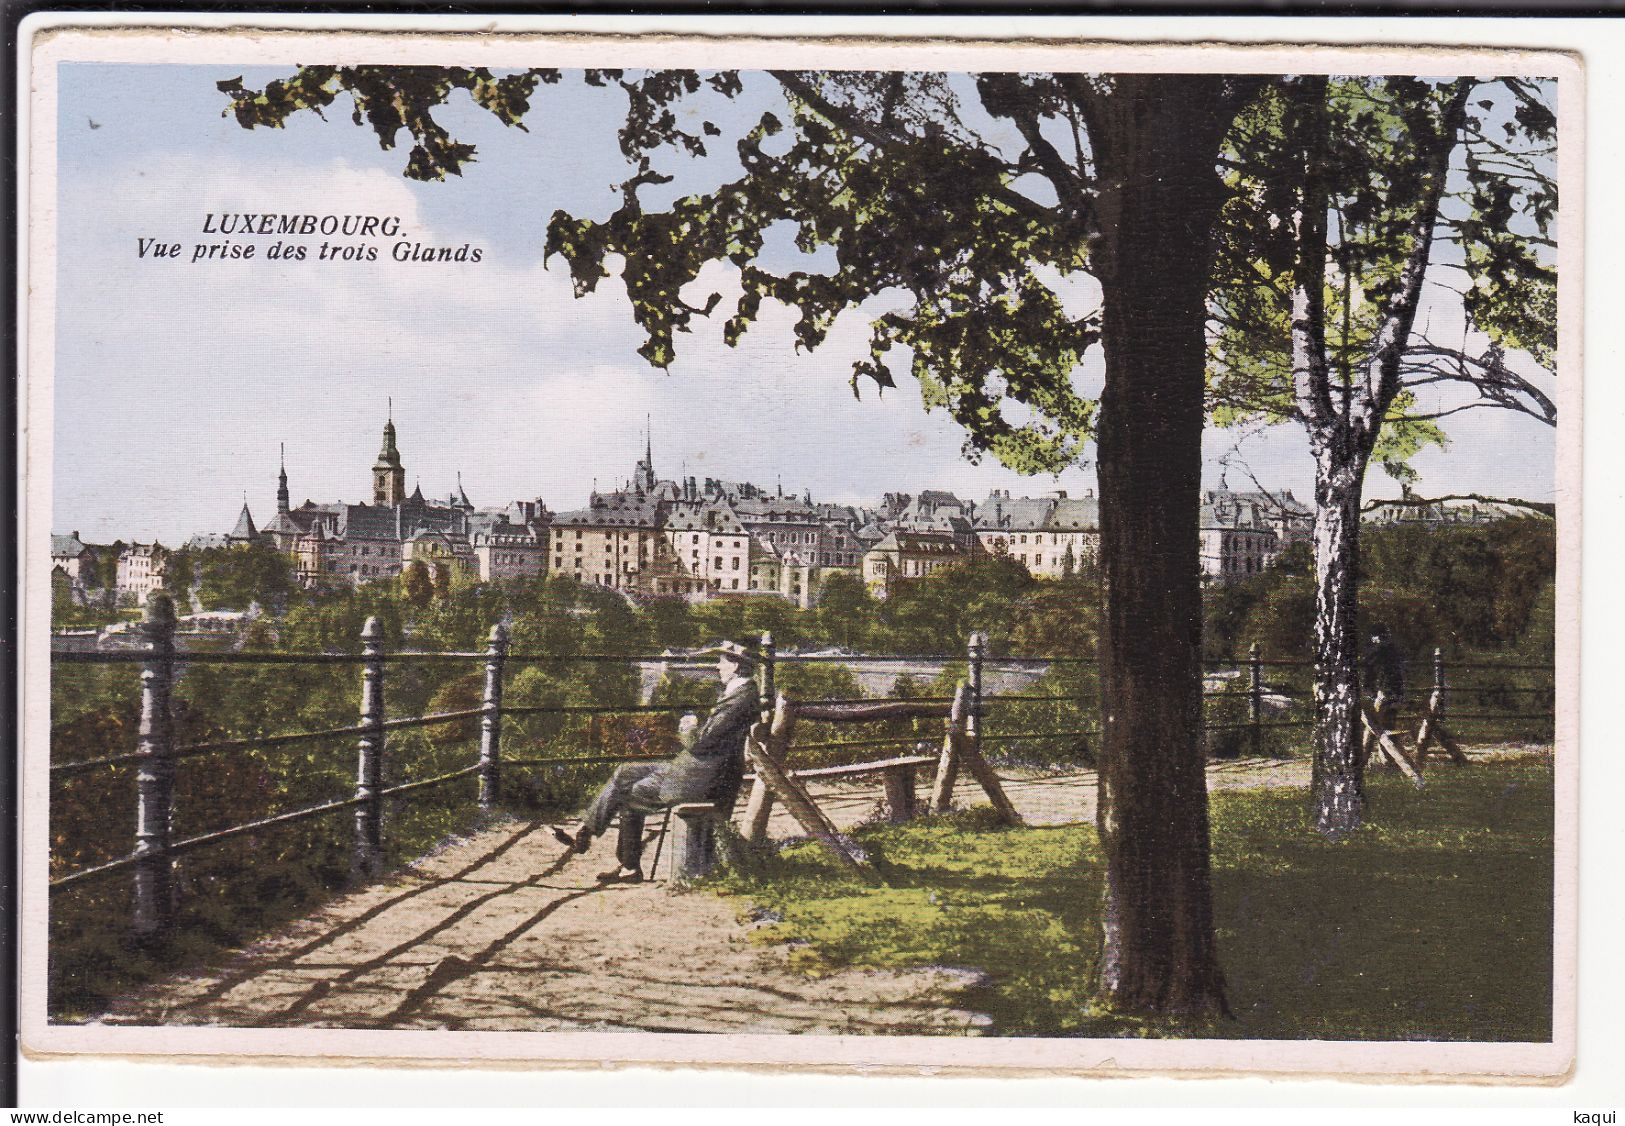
497,370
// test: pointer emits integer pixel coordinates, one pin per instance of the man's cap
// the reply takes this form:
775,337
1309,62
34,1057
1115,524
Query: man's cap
732,650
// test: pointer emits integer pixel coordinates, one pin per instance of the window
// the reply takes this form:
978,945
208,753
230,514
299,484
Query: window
719,563
736,562
736,584
1038,560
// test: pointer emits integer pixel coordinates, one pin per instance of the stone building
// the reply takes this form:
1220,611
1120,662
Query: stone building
1237,538
901,556
1014,527
1071,532
1442,513
73,556
609,543
343,544
242,534
1291,520
511,551
449,558
141,571
712,544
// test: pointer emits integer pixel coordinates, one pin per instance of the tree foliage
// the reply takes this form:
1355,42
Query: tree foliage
1395,168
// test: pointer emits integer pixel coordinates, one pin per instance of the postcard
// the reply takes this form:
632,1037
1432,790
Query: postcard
1013,557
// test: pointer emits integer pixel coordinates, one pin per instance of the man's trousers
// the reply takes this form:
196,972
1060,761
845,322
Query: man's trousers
633,791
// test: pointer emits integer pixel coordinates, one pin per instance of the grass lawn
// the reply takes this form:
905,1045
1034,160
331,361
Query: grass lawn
1432,923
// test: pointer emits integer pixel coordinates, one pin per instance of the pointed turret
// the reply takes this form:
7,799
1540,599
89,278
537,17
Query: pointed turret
244,532
282,481
459,499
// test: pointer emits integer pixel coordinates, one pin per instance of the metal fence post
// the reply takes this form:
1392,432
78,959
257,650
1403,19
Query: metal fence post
1255,698
1438,683
973,718
491,720
367,859
155,777
769,675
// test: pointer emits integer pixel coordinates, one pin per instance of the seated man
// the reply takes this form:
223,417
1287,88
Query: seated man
710,768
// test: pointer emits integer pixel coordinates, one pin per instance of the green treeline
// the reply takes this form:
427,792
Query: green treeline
1479,592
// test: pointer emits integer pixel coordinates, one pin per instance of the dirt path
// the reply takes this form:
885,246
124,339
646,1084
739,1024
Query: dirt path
471,937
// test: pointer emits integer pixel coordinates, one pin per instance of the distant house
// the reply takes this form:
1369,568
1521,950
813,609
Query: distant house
1443,513
242,534
1237,536
76,559
711,543
450,556
901,556
1292,521
508,551
1014,527
141,568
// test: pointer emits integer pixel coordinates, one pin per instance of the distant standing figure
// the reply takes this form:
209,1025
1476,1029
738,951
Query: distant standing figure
1383,666
710,767
1383,674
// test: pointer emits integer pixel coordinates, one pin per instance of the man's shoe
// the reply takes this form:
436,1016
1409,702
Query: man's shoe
621,876
577,843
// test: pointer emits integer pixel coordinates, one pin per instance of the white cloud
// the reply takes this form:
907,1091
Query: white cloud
176,381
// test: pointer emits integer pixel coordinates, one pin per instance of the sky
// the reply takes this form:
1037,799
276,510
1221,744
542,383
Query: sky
177,381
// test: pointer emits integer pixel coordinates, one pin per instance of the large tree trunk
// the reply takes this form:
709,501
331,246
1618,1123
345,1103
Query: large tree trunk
1155,139
1338,786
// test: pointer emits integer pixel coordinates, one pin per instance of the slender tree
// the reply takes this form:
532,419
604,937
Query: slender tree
967,225
1316,316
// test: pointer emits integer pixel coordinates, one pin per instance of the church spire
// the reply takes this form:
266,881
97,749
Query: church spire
644,479
282,478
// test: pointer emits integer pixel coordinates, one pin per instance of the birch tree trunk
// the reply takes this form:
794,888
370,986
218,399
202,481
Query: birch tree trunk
1338,785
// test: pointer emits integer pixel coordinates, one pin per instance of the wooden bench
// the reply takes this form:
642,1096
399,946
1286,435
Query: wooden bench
768,744
897,779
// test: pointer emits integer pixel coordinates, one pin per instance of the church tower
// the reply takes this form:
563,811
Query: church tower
282,482
388,475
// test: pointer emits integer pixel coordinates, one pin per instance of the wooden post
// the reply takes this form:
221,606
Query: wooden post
694,841
491,720
769,740
942,790
154,908
899,783
1255,698
367,857
1377,737
1432,729
768,686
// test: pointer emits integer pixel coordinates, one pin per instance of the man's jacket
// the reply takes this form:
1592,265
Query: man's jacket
1384,667
713,765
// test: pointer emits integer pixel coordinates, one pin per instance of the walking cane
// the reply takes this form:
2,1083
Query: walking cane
654,869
